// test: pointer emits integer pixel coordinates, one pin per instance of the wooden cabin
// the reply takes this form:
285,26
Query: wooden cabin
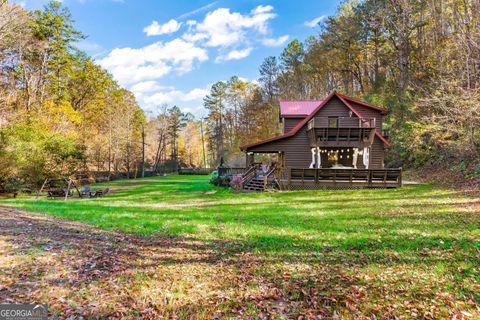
337,142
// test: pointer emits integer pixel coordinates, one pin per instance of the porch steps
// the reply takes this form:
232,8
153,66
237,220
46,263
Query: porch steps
255,184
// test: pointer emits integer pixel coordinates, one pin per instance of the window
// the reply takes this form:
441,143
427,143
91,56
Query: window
333,122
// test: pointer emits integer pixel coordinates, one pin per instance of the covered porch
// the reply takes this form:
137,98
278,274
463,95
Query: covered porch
271,158
340,157
331,168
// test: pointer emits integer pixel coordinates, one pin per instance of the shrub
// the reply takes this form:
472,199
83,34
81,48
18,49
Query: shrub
194,171
236,183
16,186
220,181
29,153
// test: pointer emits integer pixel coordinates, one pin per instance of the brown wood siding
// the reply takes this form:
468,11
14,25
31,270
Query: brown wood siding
369,113
297,148
377,151
333,108
377,154
289,123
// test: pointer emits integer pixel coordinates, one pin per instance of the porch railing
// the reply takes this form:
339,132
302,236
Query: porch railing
341,122
299,178
224,171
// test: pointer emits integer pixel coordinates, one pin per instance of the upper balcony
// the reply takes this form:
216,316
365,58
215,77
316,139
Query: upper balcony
341,122
341,131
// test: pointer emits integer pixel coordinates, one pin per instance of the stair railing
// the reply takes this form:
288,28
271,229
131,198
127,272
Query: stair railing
249,174
267,176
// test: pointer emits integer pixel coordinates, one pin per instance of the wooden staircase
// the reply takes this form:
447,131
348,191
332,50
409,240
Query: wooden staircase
255,184
257,181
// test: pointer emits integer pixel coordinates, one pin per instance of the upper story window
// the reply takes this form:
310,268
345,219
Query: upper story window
333,122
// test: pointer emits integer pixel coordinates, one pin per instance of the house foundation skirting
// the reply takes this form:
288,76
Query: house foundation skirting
287,178
309,179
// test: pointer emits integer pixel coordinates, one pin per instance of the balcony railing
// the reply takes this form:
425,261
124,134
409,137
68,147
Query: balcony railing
341,122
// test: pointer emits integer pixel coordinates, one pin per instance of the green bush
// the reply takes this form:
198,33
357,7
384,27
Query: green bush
29,153
17,186
220,181
200,172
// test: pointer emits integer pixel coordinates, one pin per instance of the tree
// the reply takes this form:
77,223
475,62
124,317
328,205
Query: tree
215,104
176,121
268,78
54,26
293,75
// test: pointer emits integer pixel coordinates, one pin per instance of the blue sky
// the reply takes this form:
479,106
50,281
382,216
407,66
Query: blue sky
172,51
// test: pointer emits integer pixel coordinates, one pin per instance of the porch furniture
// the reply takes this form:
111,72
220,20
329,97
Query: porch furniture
86,191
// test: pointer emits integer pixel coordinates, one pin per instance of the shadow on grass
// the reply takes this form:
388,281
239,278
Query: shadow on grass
75,265
188,233
343,225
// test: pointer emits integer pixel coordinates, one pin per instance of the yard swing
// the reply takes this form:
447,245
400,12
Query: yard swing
59,188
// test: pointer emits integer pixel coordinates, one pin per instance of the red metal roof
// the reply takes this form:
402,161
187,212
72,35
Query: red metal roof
299,108
314,111
363,103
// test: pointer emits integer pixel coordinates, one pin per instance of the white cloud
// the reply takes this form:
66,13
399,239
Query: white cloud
194,37
151,62
262,9
234,55
222,28
131,74
146,86
171,96
195,94
272,42
156,29
315,22
232,34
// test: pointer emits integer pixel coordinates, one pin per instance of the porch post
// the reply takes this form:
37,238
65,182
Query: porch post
249,159
355,158
319,158
312,165
366,157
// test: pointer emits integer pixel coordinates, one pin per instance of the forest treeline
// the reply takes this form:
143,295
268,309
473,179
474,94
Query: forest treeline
418,58
61,114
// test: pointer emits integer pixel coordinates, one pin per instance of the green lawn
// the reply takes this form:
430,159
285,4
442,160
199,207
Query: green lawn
413,251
